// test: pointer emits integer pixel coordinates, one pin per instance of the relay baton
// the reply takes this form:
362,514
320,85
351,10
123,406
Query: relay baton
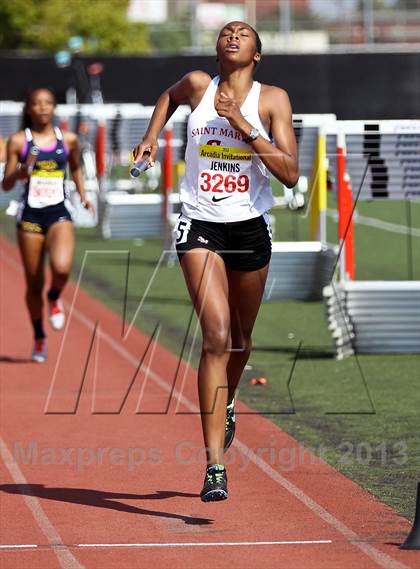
138,167
30,161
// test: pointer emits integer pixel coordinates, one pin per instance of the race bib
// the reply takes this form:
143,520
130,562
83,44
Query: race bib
224,175
46,188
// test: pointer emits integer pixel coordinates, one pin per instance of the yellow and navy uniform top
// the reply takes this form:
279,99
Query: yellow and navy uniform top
46,184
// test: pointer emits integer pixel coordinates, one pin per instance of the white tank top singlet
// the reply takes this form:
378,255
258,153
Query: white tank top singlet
224,179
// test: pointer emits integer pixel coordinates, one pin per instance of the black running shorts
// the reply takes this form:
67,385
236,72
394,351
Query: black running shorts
243,245
35,220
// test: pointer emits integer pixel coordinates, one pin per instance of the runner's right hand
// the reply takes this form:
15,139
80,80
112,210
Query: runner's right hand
21,172
146,150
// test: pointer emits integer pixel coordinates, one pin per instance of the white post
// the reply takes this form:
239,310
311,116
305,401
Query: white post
285,20
251,12
368,30
193,24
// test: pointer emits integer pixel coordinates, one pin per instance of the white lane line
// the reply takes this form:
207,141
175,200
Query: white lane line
378,556
177,544
207,543
379,224
65,558
382,559
20,546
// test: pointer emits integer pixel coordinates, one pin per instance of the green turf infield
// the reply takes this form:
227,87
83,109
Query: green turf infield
362,415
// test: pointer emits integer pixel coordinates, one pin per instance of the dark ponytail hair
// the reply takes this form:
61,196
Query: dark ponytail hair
26,118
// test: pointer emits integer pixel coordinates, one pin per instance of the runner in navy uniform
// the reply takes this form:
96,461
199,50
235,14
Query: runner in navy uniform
38,155
238,132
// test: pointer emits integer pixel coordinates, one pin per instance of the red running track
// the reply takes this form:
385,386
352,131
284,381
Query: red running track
86,486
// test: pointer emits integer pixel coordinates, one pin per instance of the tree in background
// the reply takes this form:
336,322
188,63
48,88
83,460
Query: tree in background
48,24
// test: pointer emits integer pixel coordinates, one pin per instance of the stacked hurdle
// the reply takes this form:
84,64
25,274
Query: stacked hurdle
377,160
374,316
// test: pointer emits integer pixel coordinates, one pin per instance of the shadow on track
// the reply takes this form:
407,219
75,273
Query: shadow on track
102,499
15,360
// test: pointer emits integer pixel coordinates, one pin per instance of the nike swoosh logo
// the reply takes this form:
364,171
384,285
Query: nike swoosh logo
214,199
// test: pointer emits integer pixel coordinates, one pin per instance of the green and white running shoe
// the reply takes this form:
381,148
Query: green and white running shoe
215,484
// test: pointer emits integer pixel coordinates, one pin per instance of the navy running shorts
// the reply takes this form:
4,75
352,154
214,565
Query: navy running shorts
35,220
243,245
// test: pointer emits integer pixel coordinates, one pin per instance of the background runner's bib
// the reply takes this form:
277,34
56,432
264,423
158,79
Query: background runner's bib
45,188
224,179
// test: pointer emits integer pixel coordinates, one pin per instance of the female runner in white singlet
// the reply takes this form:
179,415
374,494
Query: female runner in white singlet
238,132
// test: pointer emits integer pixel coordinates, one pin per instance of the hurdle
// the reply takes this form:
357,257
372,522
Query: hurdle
300,270
372,316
